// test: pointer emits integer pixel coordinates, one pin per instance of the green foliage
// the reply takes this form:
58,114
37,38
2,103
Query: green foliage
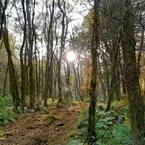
120,106
84,119
6,117
104,122
144,98
74,142
82,126
5,102
110,128
6,113
121,135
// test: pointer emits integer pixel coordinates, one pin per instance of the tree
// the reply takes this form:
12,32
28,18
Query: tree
62,45
49,69
12,73
94,47
136,105
22,56
111,39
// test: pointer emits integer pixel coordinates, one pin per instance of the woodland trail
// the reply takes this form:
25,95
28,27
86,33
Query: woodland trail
53,126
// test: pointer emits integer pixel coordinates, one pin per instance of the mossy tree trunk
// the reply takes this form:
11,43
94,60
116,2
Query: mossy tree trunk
49,65
30,13
11,69
94,47
136,105
62,8
23,67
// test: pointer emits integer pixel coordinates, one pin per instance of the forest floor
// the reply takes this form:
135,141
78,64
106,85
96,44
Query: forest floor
54,126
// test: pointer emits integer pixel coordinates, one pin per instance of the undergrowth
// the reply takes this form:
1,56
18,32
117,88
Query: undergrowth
111,127
6,114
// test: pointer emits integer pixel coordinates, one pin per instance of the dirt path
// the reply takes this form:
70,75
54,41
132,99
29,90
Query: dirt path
52,127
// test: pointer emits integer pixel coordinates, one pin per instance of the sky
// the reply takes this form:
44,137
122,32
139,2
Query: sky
80,10
77,15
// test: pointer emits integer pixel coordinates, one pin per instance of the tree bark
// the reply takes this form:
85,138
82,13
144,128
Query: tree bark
136,105
62,45
92,107
30,23
5,81
12,73
49,57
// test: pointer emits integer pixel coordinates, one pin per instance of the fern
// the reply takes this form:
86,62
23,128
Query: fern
110,129
122,135
75,142
6,118
6,114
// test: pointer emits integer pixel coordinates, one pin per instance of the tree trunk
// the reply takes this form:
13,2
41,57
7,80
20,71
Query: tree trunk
62,45
12,73
92,107
5,81
49,57
23,78
30,23
136,105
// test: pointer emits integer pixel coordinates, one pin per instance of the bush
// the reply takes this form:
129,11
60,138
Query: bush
5,102
6,113
110,128
121,135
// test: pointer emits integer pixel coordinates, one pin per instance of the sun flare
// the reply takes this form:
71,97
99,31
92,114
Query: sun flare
71,56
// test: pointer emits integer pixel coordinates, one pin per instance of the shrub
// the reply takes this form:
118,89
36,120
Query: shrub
110,128
6,113
121,135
